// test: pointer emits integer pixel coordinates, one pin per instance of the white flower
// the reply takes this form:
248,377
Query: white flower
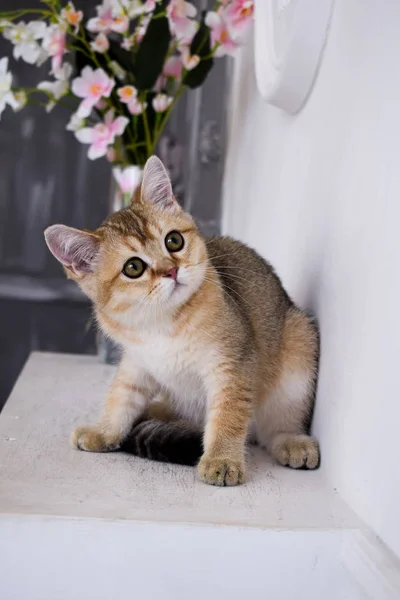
133,8
6,95
59,87
128,179
100,44
161,102
75,123
24,37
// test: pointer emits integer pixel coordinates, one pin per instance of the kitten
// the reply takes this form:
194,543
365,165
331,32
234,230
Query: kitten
215,353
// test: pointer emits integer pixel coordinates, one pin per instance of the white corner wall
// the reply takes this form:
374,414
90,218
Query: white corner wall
318,194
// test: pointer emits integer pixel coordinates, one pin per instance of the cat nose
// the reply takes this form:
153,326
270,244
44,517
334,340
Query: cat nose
173,272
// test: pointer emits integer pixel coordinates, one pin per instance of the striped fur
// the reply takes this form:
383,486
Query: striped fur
175,442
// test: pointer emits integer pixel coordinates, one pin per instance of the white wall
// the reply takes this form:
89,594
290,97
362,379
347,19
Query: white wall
318,194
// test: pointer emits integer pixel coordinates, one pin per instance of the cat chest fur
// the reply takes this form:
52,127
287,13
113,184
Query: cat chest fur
177,364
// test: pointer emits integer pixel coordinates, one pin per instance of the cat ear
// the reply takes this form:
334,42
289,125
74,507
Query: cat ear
75,249
156,185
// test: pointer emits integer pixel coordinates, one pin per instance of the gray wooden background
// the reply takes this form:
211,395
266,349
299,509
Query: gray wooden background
46,178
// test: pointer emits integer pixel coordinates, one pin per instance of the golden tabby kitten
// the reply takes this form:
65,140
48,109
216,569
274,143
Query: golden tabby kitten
214,351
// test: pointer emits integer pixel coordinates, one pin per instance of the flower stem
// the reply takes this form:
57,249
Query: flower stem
149,146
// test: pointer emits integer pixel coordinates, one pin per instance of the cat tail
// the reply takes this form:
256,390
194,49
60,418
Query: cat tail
174,442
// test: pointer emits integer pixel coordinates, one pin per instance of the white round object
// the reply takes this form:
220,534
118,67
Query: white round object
290,36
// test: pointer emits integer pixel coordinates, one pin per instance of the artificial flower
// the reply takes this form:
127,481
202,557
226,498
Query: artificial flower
161,102
102,135
173,67
128,179
100,43
75,123
71,16
25,38
238,15
127,93
111,16
104,19
190,61
220,34
136,107
6,95
59,87
54,44
120,24
180,16
91,86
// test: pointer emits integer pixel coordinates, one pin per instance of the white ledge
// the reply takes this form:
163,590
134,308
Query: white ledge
42,474
54,499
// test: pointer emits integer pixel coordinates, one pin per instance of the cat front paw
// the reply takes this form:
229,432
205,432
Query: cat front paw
91,439
221,471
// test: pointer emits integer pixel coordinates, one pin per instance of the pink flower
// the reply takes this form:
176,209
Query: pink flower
91,86
54,44
71,16
127,93
238,15
100,44
149,5
161,102
136,107
173,67
120,24
160,84
107,21
190,61
102,135
128,179
104,19
220,34
180,15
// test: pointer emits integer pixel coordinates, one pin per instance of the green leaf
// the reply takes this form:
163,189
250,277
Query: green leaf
123,57
201,45
152,52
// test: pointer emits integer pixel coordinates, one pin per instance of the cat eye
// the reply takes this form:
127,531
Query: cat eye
174,241
134,268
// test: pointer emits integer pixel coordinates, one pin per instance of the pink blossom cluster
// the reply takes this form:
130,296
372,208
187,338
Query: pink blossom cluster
110,104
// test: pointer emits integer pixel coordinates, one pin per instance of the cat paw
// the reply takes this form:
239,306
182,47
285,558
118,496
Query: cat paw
296,451
221,471
91,439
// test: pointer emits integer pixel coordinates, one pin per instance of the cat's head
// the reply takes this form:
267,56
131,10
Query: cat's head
146,258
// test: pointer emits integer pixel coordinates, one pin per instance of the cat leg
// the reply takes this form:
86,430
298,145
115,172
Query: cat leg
284,416
126,402
282,422
226,429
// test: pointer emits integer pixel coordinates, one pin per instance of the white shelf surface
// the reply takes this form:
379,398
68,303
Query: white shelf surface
56,502
42,474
